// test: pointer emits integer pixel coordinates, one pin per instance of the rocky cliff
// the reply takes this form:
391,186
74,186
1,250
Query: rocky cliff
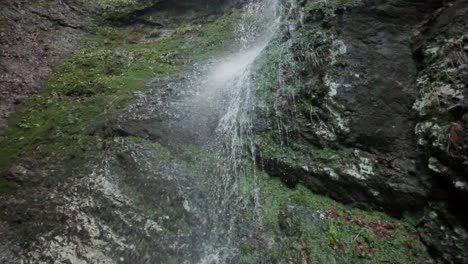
36,35
357,120
105,160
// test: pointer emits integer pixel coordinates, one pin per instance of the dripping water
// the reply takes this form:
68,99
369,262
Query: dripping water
228,88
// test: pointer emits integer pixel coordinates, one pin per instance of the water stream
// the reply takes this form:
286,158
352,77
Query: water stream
220,106
229,85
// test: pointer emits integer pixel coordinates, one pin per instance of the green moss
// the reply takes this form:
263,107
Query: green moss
6,186
221,32
120,8
297,153
131,192
99,79
4,23
342,233
287,83
327,5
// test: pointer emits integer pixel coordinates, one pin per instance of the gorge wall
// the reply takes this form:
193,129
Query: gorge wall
357,111
360,101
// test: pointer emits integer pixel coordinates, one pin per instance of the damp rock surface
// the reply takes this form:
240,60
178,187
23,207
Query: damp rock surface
233,131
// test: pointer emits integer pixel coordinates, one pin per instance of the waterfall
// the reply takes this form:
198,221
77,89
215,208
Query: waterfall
259,24
228,88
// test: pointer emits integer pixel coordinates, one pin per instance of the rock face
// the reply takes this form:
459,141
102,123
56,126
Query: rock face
351,104
361,112
33,38
36,35
361,101
137,203
441,53
22,171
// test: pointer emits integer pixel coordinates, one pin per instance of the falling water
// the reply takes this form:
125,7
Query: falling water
230,80
229,86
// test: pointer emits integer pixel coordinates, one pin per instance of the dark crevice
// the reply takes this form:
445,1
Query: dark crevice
56,21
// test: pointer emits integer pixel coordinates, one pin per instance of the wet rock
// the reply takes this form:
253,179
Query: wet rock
22,171
354,182
314,218
394,83
437,167
441,105
10,246
458,110
444,235
363,117
342,125
315,15
33,39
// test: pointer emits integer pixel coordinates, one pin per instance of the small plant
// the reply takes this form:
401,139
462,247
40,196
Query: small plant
333,236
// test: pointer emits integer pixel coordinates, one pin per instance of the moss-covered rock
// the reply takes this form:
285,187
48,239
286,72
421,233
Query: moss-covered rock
120,8
442,106
334,98
109,171
305,128
57,131
101,77
300,226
